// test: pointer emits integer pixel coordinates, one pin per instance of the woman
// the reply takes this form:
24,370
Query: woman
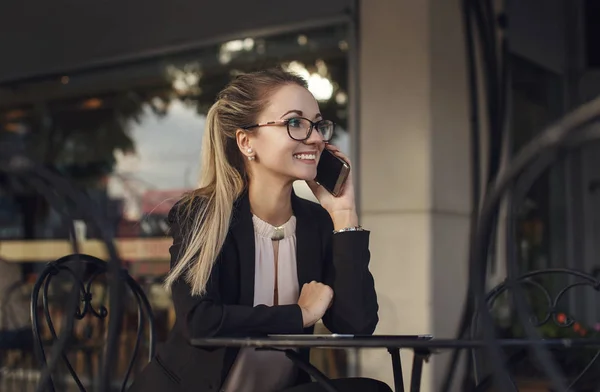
249,257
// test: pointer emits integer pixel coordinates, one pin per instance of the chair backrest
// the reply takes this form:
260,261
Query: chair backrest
89,269
546,291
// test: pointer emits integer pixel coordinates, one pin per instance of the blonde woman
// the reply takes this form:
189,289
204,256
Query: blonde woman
250,258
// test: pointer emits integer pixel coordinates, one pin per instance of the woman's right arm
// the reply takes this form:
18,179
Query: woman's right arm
207,316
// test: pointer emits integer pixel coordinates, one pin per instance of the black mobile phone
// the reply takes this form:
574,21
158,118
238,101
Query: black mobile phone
332,172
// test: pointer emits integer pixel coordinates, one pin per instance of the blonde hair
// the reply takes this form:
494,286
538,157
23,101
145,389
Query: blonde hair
223,175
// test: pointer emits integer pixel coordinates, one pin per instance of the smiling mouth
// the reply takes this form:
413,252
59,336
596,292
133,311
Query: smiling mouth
306,156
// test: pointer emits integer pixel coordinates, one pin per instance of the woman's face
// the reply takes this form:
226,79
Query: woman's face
277,154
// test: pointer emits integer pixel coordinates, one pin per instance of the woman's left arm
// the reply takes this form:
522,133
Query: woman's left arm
346,262
354,307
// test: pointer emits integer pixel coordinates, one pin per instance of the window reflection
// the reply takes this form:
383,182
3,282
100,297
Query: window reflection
130,135
165,164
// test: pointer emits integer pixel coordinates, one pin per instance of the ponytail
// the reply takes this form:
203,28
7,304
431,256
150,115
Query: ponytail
220,185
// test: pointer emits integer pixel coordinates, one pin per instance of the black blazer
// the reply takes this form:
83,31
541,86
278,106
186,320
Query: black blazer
339,260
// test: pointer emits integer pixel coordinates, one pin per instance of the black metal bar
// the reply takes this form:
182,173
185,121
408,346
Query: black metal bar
397,368
417,370
375,342
311,370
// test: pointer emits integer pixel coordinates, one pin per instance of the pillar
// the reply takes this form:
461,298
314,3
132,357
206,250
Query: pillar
414,168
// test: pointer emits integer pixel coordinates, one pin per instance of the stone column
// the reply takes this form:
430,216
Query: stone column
414,167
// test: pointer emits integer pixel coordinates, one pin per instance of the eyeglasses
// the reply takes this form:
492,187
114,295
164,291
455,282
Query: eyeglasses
300,128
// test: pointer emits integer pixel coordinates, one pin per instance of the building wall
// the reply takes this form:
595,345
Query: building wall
414,167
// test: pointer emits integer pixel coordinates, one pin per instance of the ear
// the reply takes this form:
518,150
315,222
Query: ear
243,140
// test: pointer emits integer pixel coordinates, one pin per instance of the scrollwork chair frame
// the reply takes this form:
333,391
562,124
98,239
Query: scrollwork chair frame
94,267
576,279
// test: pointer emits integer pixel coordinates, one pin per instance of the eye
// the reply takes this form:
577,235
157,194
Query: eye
295,122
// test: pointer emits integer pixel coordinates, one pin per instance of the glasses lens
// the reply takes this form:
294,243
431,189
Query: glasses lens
325,128
298,128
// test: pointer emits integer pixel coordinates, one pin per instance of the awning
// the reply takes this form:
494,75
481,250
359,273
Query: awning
46,38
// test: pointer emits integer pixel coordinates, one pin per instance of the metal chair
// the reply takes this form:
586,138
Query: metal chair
92,269
545,314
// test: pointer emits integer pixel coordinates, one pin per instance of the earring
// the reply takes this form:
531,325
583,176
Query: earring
250,158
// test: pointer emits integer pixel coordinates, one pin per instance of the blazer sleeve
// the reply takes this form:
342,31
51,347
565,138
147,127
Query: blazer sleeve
354,309
206,315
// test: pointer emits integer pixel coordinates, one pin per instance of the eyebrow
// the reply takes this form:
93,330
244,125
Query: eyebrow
300,113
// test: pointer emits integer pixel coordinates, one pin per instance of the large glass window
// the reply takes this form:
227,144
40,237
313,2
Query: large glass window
130,135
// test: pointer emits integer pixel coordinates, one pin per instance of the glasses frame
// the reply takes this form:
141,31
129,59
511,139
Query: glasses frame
286,122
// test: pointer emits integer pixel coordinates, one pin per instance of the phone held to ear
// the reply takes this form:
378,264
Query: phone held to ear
332,172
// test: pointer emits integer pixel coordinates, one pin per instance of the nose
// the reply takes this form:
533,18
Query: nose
315,138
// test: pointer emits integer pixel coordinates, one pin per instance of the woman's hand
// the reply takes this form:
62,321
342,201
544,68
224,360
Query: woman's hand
315,299
342,209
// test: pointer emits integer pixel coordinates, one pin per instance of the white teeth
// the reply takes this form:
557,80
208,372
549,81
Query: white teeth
305,156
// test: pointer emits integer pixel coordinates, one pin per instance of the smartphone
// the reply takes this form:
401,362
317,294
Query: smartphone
332,172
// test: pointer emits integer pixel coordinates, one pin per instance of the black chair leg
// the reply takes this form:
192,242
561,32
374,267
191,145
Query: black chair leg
311,370
417,370
397,368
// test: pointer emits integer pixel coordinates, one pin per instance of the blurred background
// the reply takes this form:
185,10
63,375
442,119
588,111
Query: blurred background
113,94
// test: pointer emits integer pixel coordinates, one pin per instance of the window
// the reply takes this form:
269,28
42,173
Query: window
130,135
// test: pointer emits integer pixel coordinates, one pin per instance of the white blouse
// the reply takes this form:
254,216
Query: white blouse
275,283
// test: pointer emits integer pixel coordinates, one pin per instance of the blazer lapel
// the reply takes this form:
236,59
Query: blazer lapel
242,231
307,243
